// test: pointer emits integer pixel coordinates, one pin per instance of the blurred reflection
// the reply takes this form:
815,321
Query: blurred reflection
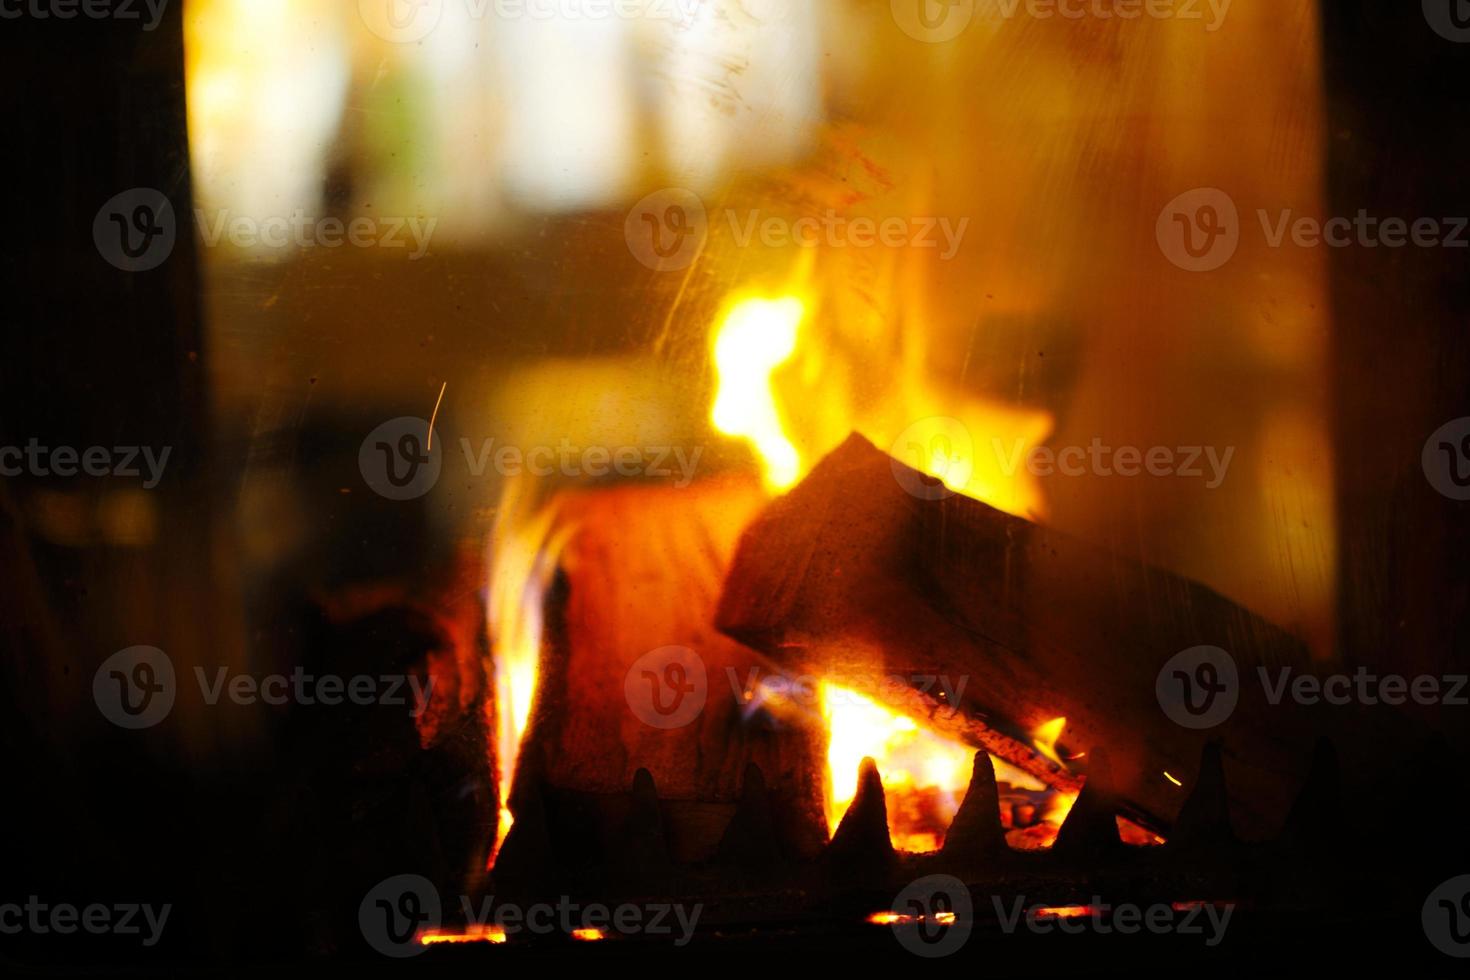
1053,319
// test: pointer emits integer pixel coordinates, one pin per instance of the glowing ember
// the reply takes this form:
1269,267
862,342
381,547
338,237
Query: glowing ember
755,338
895,918
1064,912
588,935
470,934
924,774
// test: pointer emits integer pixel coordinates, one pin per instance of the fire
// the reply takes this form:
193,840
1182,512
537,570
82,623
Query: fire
761,347
895,918
470,934
755,338
925,775
1045,738
524,548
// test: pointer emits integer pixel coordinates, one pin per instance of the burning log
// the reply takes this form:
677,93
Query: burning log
858,572
641,572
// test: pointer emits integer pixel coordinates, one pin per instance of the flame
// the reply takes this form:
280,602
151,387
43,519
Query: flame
755,338
894,918
925,775
1064,912
588,935
524,548
470,934
1045,738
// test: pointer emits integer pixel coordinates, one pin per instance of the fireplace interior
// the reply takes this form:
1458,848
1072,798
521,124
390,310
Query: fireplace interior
722,478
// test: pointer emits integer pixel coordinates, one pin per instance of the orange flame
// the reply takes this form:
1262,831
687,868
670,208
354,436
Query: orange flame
470,934
1045,738
524,549
925,774
755,338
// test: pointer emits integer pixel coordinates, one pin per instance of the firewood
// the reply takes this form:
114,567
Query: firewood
642,570
852,574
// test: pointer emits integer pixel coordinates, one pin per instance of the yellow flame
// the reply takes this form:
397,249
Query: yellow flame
918,767
470,934
524,547
895,918
968,442
1045,738
755,338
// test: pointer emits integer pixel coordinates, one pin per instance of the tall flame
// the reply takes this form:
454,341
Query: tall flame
925,774
755,338
524,548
